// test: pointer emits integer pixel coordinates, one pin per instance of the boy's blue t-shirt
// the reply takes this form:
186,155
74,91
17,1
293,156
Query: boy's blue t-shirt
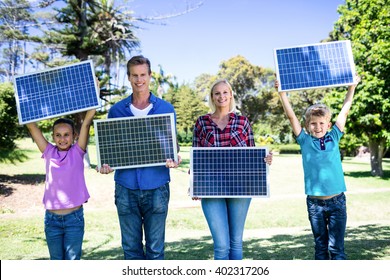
321,160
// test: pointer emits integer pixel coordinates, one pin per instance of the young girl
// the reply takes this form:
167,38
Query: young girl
65,188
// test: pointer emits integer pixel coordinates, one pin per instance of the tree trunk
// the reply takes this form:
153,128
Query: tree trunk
377,148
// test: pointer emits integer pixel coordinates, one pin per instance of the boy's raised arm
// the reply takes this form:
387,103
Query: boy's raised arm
37,135
295,124
342,117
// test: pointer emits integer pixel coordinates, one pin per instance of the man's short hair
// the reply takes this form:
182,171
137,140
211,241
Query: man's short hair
138,60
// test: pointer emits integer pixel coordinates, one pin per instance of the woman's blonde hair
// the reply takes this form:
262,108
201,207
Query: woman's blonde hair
232,105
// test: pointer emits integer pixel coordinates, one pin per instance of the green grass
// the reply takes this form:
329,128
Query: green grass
276,229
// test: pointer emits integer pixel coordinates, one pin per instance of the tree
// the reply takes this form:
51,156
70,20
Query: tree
251,84
202,85
159,79
241,74
94,29
10,129
89,29
366,23
13,21
188,107
300,101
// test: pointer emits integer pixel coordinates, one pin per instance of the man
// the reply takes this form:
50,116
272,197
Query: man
141,194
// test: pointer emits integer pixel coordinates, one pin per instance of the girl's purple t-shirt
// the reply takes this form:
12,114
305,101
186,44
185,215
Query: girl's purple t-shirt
65,183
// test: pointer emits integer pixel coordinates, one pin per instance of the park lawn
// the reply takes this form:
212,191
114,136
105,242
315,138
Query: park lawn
277,227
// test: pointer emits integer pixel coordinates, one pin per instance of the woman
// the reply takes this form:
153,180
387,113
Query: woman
223,128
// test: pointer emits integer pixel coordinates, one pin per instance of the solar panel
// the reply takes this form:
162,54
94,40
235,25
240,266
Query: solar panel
315,66
229,172
132,142
56,92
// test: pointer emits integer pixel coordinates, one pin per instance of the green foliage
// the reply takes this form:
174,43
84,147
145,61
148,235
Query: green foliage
10,129
285,234
12,29
241,74
202,85
366,23
93,28
188,107
160,79
350,144
251,100
264,140
263,134
184,138
288,149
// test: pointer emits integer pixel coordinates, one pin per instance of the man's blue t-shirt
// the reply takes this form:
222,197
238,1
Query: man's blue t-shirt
145,178
321,160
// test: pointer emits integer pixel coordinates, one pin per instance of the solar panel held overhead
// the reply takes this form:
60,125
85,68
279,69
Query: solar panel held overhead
56,92
132,142
228,172
313,66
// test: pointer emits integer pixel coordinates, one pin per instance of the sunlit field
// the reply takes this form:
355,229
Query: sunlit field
277,227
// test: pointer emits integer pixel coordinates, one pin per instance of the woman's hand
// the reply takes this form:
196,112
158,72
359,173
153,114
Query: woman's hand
268,158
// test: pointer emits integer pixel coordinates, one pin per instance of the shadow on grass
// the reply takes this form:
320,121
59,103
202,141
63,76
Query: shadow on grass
366,242
12,156
95,252
24,179
367,174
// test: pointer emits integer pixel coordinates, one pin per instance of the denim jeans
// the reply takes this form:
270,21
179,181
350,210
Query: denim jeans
226,219
142,212
328,219
64,234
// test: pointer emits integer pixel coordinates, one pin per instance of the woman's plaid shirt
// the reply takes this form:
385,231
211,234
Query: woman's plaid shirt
238,132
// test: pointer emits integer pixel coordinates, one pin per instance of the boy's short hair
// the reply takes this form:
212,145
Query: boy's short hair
138,60
67,121
317,110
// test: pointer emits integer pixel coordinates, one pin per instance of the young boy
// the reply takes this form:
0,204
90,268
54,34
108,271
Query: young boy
65,188
324,177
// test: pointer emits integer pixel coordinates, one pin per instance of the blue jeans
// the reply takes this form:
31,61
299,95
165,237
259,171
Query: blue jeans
64,234
226,219
328,219
142,211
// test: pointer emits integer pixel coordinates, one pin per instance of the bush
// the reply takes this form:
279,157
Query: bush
288,149
10,128
184,139
265,140
349,144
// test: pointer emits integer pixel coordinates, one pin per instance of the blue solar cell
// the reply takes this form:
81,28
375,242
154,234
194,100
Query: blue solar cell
56,92
315,66
229,172
136,141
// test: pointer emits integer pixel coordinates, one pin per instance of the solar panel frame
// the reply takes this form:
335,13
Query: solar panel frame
56,92
314,66
229,172
116,138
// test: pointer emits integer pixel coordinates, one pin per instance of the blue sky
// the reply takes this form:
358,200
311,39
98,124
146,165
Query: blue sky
197,42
